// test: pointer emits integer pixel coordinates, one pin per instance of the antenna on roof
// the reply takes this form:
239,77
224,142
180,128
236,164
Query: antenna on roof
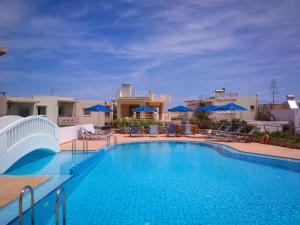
274,90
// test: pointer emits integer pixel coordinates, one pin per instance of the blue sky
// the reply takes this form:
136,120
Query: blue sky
187,48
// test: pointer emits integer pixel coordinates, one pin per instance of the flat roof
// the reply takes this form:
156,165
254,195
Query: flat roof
21,100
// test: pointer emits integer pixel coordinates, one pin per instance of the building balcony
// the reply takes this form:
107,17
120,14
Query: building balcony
67,121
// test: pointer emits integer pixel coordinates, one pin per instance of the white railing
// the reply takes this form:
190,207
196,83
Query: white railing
21,129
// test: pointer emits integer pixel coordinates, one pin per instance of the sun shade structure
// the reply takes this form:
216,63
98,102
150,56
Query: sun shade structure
144,108
231,106
210,108
99,108
180,108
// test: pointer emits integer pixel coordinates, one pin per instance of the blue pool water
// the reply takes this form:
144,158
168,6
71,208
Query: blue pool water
181,183
53,164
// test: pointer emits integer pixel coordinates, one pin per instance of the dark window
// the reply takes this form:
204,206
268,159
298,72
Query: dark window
86,112
252,107
41,110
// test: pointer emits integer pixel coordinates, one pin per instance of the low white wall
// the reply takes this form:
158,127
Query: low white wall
69,133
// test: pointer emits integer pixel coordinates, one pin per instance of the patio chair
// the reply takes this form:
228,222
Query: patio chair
211,133
187,129
232,136
172,129
153,130
134,130
221,133
248,137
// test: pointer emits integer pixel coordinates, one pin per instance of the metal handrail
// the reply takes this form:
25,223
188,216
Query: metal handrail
74,147
85,145
24,189
60,191
108,140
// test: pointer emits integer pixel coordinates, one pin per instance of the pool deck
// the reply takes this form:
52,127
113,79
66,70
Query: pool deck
257,148
11,186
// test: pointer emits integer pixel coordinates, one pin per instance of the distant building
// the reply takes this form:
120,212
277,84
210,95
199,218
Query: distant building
287,111
221,97
65,111
128,98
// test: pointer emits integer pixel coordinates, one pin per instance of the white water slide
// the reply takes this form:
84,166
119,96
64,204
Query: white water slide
20,136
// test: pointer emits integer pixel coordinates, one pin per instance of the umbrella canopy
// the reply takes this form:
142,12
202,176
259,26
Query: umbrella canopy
210,108
99,108
143,108
231,106
180,108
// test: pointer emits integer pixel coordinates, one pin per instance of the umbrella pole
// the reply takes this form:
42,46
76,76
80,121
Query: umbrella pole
99,119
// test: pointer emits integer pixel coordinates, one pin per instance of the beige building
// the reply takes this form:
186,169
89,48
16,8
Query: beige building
65,111
128,98
221,97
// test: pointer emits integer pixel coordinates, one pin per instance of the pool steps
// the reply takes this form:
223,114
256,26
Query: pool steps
59,192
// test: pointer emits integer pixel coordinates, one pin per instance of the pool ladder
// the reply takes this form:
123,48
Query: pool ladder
85,145
108,140
59,191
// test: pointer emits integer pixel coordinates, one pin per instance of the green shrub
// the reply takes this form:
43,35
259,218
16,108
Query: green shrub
119,123
284,135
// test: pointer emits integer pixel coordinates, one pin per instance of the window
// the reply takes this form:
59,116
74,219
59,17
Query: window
86,112
61,110
252,107
41,110
24,111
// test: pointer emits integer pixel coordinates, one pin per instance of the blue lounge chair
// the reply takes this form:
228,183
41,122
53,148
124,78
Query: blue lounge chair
172,129
187,129
153,130
134,130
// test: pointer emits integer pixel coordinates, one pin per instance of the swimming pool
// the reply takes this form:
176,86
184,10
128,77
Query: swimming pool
183,183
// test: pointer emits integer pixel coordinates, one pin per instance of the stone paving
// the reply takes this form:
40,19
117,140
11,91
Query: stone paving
256,148
11,186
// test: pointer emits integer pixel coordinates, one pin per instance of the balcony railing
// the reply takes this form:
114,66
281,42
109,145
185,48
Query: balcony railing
145,94
67,120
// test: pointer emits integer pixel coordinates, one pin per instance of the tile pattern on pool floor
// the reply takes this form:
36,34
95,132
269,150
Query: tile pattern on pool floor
182,183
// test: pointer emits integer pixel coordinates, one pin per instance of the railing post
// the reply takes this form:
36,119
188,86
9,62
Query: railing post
24,189
60,191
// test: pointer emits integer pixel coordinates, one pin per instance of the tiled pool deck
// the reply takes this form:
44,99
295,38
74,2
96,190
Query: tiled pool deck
256,148
13,184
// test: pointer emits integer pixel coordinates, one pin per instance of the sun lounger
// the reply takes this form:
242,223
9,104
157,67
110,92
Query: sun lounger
187,129
172,129
247,137
211,133
153,130
134,130
85,134
231,136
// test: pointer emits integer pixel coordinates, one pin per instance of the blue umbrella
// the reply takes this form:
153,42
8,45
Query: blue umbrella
99,108
143,108
180,108
231,106
211,108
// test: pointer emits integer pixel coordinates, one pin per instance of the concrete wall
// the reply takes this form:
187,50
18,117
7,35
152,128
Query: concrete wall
292,115
3,106
97,118
69,133
245,101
